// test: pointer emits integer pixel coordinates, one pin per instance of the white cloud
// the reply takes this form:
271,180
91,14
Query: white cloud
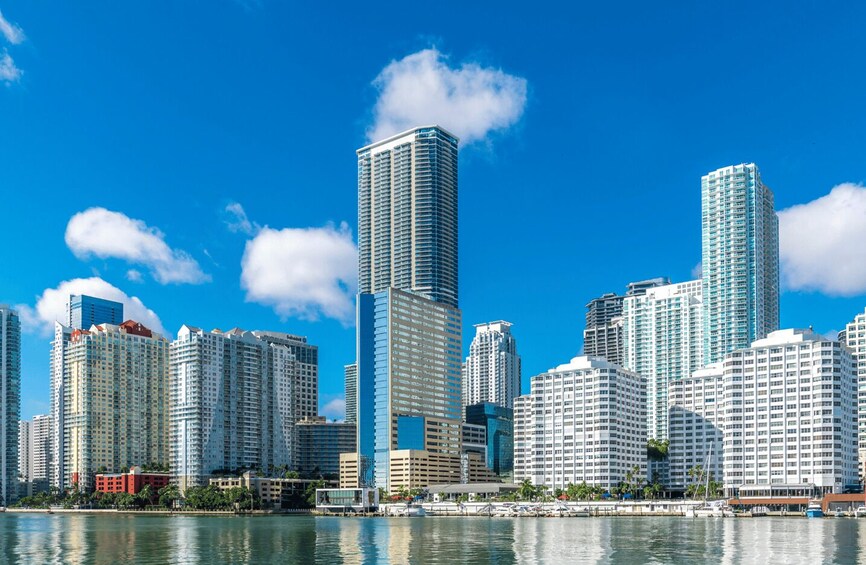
9,73
135,276
306,273
10,31
469,100
698,270
106,234
51,305
335,409
822,243
237,221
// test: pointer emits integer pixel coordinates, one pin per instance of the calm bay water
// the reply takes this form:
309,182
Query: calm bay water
43,538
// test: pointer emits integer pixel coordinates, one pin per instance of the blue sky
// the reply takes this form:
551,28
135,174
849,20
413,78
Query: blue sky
581,173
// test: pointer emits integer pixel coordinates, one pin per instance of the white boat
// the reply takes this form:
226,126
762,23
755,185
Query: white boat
860,512
759,511
408,511
714,509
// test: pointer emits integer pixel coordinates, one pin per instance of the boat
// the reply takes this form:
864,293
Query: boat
860,512
839,514
714,509
408,511
814,510
759,511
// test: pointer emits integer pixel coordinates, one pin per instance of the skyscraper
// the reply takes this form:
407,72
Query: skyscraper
10,402
306,376
409,327
115,410
25,447
491,372
662,342
854,337
351,379
739,259
84,311
407,214
232,401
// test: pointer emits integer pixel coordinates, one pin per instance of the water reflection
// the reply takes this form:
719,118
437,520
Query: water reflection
41,538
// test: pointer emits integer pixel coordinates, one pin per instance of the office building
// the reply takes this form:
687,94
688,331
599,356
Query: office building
854,337
409,387
662,342
498,424
790,415
491,372
319,445
407,214
10,402
697,416
582,421
739,260
115,411
84,311
233,401
351,380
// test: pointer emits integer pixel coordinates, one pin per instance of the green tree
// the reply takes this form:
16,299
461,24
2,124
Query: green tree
168,495
526,491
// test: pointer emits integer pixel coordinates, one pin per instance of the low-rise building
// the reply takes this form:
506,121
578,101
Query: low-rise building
132,481
319,444
273,492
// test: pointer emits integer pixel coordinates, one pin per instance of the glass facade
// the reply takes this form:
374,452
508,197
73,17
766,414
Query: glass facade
10,402
85,311
499,424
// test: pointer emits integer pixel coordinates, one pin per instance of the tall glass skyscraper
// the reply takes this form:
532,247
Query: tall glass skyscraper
85,311
407,214
740,260
409,327
10,402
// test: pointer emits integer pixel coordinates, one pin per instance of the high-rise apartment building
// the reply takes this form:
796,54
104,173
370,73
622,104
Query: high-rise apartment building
582,421
84,311
662,342
790,414
115,408
351,380
602,335
10,402
407,214
41,455
739,260
491,372
319,445
408,324
306,376
232,397
25,431
854,337
697,416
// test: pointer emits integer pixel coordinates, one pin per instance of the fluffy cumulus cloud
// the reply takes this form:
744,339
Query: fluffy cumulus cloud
105,234
822,243
335,409
10,31
51,305
307,273
468,100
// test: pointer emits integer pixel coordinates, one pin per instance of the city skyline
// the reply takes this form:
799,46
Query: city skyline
190,232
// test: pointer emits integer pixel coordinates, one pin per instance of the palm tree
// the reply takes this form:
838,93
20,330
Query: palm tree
526,490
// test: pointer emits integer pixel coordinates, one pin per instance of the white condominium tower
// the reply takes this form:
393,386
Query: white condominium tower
10,402
115,410
662,342
232,403
790,414
407,214
739,259
582,421
491,373
854,337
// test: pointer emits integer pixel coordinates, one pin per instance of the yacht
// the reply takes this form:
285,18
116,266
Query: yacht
814,510
860,512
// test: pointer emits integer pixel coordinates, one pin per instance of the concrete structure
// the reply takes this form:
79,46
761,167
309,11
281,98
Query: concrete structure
10,402
407,214
347,500
41,455
59,345
582,421
25,434
233,401
319,444
662,341
273,492
498,424
697,415
854,337
739,260
305,384
491,372
790,414
83,311
132,481
115,410
351,380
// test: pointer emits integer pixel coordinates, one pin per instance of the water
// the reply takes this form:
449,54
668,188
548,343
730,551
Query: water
78,538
